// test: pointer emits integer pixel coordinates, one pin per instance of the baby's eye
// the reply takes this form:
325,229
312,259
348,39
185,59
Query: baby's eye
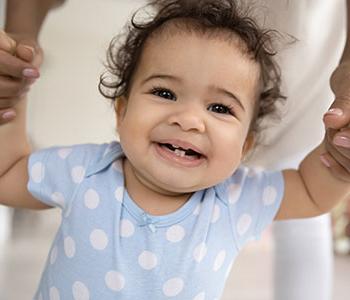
164,93
220,109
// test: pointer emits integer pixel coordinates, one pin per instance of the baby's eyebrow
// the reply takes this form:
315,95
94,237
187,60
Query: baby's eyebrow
161,76
225,92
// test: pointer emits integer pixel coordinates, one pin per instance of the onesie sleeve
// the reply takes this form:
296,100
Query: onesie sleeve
253,199
56,173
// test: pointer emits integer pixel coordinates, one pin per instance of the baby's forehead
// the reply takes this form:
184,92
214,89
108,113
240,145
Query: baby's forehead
189,26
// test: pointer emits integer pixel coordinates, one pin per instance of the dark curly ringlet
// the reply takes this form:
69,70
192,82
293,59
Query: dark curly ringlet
125,49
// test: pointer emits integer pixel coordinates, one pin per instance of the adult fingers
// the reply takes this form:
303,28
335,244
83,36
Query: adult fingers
338,115
11,87
339,154
337,170
340,140
16,67
7,115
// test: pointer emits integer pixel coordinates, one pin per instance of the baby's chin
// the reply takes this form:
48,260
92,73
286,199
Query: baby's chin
177,188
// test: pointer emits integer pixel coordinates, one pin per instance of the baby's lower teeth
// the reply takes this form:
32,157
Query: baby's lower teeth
180,153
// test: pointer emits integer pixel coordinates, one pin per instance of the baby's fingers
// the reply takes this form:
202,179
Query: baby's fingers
6,43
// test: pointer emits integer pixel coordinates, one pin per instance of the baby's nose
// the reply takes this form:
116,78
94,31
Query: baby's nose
188,119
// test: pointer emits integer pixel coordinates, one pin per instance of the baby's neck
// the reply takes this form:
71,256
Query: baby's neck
151,201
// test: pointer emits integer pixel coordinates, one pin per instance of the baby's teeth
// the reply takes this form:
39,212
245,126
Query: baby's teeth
179,153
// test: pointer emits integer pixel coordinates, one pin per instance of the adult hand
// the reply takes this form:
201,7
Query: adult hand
337,120
19,62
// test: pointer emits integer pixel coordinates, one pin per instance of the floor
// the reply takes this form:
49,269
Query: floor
23,257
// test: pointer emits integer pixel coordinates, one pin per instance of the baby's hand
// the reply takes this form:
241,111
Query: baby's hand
19,62
337,121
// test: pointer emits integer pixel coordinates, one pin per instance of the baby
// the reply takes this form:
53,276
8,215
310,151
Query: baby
163,213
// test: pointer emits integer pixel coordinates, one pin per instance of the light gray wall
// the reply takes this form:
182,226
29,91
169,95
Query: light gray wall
65,105
2,13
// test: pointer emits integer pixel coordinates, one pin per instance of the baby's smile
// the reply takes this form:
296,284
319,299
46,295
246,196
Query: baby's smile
179,152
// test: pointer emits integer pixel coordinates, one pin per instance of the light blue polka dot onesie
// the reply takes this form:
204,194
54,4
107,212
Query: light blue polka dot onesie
108,248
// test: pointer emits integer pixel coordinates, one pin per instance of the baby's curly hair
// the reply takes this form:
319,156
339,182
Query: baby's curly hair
201,16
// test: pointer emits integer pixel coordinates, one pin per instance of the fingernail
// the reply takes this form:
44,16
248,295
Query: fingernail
30,73
31,49
325,161
341,141
8,115
335,112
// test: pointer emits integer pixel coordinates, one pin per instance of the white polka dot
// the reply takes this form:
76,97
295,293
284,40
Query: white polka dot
127,228
197,210
269,195
54,293
148,260
69,247
91,199
243,224
98,239
175,234
173,287
219,260
117,165
37,172
80,291
234,191
58,198
115,281
64,152
53,255
200,296
78,174
216,214
118,194
199,252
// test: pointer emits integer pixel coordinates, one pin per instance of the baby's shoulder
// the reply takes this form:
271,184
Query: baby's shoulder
84,155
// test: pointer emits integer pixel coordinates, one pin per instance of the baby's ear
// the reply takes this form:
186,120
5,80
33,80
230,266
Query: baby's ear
120,108
249,143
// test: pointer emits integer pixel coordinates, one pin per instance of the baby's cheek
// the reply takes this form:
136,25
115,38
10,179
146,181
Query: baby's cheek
226,167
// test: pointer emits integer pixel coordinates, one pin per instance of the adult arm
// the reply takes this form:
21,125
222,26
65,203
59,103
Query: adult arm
26,17
337,141
20,55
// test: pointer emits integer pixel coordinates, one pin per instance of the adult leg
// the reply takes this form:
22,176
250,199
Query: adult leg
303,259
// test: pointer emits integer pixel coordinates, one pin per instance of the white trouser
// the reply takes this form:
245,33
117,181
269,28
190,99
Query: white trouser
303,259
5,223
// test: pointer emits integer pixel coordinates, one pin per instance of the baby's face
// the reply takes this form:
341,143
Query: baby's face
185,123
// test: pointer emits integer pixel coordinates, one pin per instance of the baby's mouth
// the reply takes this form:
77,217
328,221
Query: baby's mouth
178,151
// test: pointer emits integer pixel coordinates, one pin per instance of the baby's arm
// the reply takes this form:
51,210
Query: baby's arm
312,189
14,153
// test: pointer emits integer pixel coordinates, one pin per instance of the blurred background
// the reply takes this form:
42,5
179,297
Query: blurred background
74,39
